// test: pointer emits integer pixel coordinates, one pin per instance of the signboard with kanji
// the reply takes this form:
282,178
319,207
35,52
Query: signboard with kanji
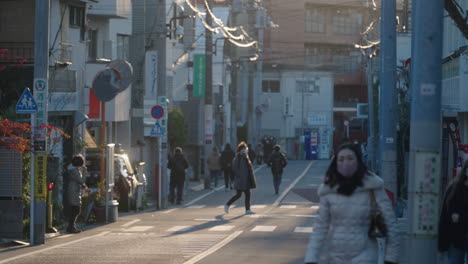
40,177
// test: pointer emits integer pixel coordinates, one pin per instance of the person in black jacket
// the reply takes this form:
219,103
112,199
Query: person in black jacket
453,222
226,161
277,163
177,164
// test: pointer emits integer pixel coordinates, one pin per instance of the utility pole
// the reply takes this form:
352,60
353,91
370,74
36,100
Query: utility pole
371,114
161,142
39,119
208,93
388,99
425,134
256,114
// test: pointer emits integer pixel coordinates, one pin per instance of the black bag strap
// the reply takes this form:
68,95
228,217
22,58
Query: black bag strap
373,200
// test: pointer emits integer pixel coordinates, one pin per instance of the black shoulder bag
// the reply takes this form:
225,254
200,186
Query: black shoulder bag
377,227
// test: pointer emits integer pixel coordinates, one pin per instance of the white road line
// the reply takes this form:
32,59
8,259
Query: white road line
196,206
179,228
222,228
303,229
288,206
169,211
311,216
258,206
285,192
213,249
53,247
263,228
230,207
138,229
207,219
316,207
131,223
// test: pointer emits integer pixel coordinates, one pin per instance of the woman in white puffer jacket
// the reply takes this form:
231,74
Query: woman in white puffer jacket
343,217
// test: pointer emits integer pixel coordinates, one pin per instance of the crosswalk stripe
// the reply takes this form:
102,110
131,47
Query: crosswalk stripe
316,207
303,229
288,206
196,206
263,229
222,228
258,206
138,228
179,228
222,206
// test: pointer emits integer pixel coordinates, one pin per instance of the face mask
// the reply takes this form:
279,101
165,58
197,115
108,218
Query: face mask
347,169
245,151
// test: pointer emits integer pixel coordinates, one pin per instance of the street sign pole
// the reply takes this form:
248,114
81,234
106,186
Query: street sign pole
39,122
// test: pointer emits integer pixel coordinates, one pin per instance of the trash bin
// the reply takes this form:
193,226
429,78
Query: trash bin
112,211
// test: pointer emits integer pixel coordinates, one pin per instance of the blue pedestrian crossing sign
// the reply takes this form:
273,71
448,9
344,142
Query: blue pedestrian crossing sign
158,130
26,104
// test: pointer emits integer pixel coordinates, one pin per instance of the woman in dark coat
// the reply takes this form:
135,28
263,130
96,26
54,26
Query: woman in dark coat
453,223
244,178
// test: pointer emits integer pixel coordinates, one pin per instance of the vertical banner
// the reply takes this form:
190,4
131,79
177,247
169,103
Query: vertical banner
40,177
151,74
209,124
199,70
40,129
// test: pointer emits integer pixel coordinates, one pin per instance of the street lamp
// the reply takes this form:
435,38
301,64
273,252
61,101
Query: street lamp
178,32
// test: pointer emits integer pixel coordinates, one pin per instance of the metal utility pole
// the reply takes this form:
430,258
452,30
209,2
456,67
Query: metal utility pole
161,142
388,99
426,129
371,115
38,120
208,92
256,128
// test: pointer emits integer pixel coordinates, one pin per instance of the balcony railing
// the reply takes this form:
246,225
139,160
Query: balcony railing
111,8
16,53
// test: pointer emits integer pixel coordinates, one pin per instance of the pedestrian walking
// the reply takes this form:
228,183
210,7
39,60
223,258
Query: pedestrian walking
259,151
453,222
252,154
214,165
348,194
226,161
244,177
177,164
75,182
277,163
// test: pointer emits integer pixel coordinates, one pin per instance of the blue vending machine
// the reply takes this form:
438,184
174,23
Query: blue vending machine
311,144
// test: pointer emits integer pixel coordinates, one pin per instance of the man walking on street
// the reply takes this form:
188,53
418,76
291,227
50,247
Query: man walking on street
214,165
226,161
277,162
177,164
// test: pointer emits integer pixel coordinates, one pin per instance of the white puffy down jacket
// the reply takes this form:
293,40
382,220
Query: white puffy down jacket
344,222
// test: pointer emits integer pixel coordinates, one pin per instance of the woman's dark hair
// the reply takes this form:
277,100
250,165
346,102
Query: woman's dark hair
456,184
227,146
77,161
346,186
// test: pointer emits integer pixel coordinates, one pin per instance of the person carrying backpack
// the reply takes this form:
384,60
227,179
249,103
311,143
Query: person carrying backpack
277,162
177,164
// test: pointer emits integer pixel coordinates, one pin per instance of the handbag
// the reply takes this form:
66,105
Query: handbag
377,227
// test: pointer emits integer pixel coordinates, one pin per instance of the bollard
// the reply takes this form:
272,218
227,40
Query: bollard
50,228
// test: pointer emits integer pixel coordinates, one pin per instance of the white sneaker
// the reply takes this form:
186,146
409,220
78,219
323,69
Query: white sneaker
226,209
249,212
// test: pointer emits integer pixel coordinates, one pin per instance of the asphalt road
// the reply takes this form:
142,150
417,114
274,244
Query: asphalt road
199,231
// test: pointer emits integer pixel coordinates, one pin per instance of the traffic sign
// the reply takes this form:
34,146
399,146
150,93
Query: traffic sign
26,103
157,112
346,123
159,129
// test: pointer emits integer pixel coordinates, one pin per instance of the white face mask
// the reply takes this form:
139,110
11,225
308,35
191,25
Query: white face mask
245,151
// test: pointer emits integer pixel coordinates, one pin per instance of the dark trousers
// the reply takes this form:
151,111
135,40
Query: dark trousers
277,181
173,185
74,212
238,195
259,159
228,178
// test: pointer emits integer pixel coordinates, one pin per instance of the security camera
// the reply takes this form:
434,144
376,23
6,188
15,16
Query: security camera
179,32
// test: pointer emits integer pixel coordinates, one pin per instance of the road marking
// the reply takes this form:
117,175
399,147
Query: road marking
230,207
316,207
213,249
302,229
179,228
285,192
222,228
216,189
53,247
169,211
138,229
65,236
207,219
196,206
288,206
311,216
131,222
263,229
258,206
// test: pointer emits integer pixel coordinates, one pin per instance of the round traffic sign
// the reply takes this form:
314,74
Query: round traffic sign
346,123
157,112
